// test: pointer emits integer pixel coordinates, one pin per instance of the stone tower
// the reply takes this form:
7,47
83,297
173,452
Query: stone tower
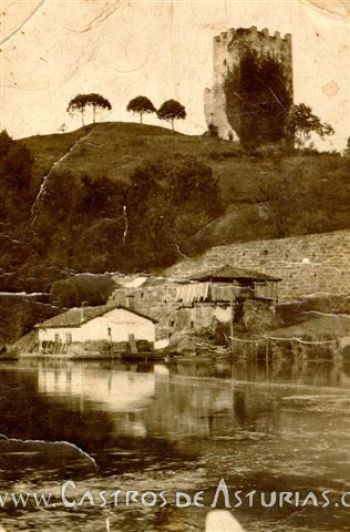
253,86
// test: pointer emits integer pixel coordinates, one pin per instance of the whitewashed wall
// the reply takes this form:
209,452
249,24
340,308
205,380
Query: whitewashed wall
49,334
121,323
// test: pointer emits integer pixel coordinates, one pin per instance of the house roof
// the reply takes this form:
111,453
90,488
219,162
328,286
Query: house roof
229,273
75,317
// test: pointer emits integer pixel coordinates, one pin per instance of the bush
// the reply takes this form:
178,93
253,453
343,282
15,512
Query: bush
167,203
82,288
101,197
54,207
305,198
16,163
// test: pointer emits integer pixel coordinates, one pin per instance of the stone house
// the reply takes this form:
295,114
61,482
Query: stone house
111,324
225,295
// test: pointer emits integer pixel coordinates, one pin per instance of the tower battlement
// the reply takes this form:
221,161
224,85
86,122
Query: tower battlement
252,33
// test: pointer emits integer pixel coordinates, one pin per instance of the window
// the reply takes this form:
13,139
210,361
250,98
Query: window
130,301
192,324
68,338
57,338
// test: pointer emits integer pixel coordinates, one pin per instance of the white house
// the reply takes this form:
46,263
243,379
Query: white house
114,324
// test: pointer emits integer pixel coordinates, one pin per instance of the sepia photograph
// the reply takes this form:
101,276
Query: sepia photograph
175,265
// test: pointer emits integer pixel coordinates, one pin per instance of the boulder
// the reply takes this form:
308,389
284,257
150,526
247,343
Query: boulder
183,342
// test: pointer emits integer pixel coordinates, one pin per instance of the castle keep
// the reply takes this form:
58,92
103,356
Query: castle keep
253,86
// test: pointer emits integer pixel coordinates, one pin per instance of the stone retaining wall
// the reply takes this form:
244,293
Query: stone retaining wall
310,264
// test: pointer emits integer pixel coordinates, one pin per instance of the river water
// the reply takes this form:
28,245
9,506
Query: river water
181,427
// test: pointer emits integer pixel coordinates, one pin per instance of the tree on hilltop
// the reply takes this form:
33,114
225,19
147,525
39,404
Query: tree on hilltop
171,110
302,123
81,101
141,105
97,101
77,105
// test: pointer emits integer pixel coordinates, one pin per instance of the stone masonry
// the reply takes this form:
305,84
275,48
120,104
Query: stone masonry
158,302
310,264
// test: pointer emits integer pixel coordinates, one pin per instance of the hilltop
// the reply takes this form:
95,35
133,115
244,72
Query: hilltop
114,149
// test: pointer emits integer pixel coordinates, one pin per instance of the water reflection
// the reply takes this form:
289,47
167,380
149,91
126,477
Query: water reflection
181,400
109,390
143,404
255,424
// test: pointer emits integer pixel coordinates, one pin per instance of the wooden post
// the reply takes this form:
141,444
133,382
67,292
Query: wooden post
132,343
109,330
231,320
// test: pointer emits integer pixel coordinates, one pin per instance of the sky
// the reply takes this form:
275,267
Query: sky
52,50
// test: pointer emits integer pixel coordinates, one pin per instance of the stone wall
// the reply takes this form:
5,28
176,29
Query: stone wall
159,302
310,264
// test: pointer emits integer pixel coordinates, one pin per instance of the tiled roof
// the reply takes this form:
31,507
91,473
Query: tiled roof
75,317
230,272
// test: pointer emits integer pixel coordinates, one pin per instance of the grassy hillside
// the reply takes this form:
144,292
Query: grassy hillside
113,150
264,194
47,149
77,225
